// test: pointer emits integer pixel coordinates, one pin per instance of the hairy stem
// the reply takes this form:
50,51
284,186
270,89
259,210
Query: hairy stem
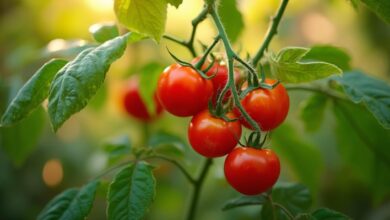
197,189
272,31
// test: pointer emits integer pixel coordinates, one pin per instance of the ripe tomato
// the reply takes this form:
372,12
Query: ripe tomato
182,91
252,171
133,103
211,136
268,107
221,73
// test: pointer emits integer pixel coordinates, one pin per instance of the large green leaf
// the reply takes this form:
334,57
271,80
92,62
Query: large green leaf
288,67
104,32
360,138
373,93
244,201
231,19
74,204
175,3
329,54
380,7
295,197
78,81
131,192
32,94
148,84
312,111
298,154
147,17
20,140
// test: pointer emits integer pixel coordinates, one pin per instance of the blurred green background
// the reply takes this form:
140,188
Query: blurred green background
340,171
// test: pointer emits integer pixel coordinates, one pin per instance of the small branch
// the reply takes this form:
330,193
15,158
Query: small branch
197,188
272,30
177,164
327,92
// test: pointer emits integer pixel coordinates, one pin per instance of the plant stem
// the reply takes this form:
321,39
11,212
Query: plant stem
177,164
272,30
197,188
231,56
332,94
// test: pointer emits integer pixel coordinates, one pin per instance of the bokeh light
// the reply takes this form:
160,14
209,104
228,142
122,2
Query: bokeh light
52,173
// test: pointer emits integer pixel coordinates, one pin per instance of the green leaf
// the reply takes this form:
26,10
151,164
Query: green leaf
288,67
373,93
118,148
79,80
244,201
175,3
147,17
360,138
305,216
297,154
231,19
164,142
328,214
380,7
20,140
294,197
72,204
131,192
329,54
104,32
148,84
312,111
32,94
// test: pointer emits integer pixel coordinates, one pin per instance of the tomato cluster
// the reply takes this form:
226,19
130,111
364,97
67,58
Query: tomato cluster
183,92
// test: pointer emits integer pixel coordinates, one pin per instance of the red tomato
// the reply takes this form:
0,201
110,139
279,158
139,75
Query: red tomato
252,171
182,91
267,107
221,77
211,136
133,103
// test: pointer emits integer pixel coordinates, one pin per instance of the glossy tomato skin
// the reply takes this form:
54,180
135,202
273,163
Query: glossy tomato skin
133,103
211,136
182,91
268,107
220,79
252,171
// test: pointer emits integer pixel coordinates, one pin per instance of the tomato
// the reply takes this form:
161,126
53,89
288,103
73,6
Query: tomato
268,107
220,70
252,171
211,136
182,91
133,103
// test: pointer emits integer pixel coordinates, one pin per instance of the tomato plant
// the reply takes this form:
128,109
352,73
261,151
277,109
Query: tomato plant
252,171
211,136
133,103
182,91
277,165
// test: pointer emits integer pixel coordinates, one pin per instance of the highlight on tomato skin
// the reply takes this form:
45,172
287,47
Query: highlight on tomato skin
133,104
211,136
251,171
182,91
267,107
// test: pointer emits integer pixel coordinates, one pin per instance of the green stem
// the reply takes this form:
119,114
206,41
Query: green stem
230,54
197,189
272,30
327,92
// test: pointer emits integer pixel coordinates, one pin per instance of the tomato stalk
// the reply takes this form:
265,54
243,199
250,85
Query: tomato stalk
272,31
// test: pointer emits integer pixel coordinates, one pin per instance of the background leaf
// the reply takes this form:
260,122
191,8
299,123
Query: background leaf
32,94
326,214
167,143
148,84
329,54
118,148
79,80
147,17
380,7
295,197
231,19
298,154
287,67
104,32
20,140
312,111
131,192
373,93
175,3
72,204
244,201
